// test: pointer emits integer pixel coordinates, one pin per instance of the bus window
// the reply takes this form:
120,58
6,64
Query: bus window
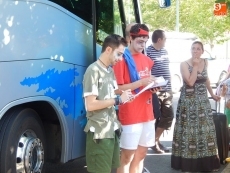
81,8
129,12
108,19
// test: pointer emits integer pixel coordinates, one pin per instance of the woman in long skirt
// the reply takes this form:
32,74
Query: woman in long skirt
194,147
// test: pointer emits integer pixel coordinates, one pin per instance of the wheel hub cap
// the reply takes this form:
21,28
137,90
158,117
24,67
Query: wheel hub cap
30,153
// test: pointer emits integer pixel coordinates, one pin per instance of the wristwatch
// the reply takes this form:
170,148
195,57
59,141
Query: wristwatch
118,100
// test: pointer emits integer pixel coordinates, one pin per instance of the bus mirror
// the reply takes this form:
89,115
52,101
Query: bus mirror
164,3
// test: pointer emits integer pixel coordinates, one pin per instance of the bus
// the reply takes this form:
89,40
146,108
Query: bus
45,48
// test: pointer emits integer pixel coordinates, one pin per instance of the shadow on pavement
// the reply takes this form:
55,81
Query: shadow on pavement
161,163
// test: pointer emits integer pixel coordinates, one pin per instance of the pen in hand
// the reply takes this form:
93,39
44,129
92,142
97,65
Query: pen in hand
126,96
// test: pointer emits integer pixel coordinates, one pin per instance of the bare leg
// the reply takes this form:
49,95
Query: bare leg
136,165
157,147
158,134
126,158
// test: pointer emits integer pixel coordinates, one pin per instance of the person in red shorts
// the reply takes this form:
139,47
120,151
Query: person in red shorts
136,117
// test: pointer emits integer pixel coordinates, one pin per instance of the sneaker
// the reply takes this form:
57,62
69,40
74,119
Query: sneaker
162,147
145,170
157,149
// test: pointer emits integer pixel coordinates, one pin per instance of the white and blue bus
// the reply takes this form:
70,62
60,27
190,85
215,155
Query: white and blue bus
45,48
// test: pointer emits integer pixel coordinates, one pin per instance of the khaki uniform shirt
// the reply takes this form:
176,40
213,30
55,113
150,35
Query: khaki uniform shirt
101,82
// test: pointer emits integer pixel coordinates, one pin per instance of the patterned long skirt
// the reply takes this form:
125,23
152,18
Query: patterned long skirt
194,147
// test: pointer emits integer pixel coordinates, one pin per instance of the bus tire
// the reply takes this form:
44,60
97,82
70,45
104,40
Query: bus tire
22,142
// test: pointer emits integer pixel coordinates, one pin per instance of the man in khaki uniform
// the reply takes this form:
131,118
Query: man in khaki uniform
99,85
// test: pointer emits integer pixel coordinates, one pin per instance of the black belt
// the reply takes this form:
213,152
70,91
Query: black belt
201,81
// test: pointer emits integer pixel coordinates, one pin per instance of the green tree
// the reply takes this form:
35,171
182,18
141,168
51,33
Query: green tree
196,16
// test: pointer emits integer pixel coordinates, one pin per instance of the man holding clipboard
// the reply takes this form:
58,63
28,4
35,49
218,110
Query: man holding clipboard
136,117
162,101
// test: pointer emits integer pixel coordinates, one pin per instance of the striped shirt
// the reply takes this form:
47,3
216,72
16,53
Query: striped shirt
161,64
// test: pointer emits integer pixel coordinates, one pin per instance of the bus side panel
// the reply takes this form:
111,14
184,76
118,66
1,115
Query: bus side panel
34,30
59,81
80,118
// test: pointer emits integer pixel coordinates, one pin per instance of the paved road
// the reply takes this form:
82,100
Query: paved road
161,163
155,163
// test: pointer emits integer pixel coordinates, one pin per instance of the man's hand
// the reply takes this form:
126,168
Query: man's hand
147,80
126,96
154,90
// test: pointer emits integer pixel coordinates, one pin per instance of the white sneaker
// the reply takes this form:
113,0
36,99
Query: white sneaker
145,170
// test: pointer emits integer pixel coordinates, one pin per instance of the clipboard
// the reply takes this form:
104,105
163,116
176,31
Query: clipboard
159,82
152,85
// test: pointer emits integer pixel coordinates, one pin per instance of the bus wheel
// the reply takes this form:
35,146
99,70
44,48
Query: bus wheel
22,142
176,83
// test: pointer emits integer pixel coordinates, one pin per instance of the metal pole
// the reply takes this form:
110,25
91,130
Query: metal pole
137,11
177,15
227,56
94,30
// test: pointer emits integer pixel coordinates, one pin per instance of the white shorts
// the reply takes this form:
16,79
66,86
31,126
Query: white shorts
142,134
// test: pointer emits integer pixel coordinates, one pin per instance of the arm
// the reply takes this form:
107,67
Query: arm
120,70
209,88
91,91
227,76
214,96
132,86
137,84
223,90
93,104
189,78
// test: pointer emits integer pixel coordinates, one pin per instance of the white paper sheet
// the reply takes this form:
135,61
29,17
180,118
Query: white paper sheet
152,85
159,82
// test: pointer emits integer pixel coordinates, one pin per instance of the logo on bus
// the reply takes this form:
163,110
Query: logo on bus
220,9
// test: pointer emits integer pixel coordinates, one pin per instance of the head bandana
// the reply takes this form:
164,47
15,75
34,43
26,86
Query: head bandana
141,32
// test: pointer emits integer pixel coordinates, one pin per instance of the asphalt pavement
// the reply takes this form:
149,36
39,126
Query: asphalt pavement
155,163
161,163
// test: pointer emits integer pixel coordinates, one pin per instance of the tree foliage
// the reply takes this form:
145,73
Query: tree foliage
195,16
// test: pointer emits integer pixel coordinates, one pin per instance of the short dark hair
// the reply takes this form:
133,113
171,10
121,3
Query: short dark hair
113,41
156,35
135,30
200,43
